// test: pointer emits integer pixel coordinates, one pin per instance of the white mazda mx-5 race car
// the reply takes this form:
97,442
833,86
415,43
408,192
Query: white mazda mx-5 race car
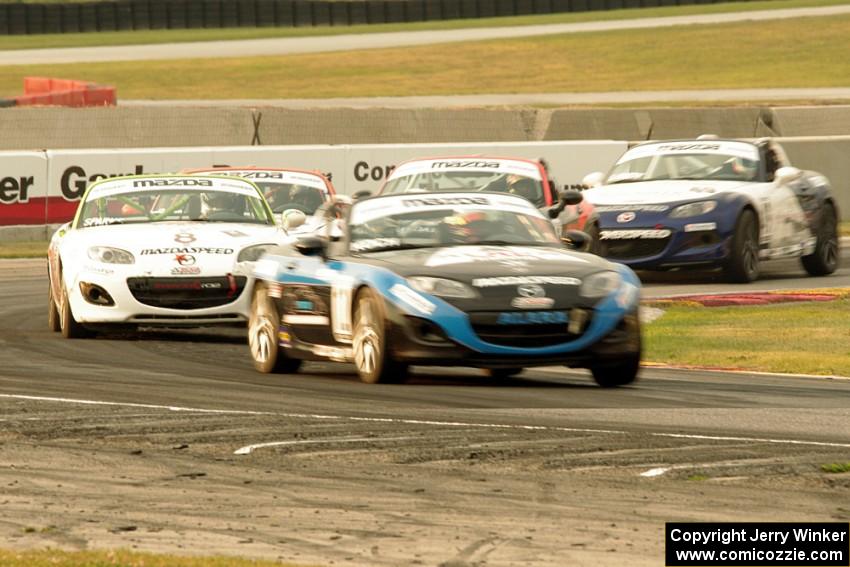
714,203
167,250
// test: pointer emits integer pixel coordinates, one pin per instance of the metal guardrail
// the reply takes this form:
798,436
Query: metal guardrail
19,19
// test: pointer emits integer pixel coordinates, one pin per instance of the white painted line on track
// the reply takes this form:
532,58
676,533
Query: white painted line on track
248,449
505,426
655,472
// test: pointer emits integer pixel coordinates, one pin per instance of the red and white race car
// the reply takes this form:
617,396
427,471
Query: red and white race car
526,178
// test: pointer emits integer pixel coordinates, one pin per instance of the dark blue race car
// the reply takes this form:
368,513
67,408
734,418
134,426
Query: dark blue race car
445,279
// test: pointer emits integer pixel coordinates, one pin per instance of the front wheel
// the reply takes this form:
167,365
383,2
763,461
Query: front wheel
824,260
263,329
373,362
743,263
617,373
68,325
53,322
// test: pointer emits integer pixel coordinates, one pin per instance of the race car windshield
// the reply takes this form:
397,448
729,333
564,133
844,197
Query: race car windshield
702,166
515,184
158,206
437,228
283,196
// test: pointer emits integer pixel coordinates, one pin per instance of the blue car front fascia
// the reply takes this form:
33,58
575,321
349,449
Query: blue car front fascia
679,251
608,312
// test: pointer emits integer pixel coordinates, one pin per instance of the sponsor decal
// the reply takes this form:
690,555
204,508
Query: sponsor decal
688,147
175,182
306,319
502,255
234,233
184,259
412,299
463,164
97,270
634,234
187,285
700,226
186,250
374,243
438,201
184,237
102,221
628,216
532,318
530,290
284,337
337,354
634,208
532,302
187,271
519,280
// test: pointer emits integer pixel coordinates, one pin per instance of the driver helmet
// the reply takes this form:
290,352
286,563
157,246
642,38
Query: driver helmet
470,227
522,186
303,195
745,168
221,201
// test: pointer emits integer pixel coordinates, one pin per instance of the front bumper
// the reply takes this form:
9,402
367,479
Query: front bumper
127,309
680,249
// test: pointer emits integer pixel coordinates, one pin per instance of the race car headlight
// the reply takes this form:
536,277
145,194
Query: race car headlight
109,255
253,253
693,209
600,284
442,287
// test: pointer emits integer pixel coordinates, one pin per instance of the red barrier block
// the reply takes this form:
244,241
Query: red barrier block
100,96
37,85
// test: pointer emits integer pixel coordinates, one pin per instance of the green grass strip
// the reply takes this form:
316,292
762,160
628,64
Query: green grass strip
797,338
688,57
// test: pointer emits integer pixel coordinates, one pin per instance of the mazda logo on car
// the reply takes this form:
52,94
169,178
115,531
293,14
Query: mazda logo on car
628,216
530,290
184,259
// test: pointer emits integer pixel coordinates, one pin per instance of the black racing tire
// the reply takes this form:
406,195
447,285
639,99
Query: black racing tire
371,354
68,325
621,372
263,329
824,260
743,263
503,373
53,322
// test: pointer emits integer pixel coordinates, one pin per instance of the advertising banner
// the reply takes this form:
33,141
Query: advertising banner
23,188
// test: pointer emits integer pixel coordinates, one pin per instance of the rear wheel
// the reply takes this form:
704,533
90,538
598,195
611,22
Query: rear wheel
68,325
263,329
743,263
824,260
371,355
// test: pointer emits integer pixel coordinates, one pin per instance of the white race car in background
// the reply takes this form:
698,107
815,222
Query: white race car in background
714,203
168,250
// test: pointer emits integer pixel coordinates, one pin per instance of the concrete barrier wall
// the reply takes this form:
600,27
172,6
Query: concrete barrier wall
156,126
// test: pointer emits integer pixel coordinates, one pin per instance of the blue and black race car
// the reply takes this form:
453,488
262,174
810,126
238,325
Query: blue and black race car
445,279
714,203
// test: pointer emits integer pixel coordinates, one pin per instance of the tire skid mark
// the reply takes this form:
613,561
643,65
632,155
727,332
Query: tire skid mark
439,423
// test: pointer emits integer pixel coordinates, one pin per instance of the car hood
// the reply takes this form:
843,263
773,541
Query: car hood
655,192
497,272
173,249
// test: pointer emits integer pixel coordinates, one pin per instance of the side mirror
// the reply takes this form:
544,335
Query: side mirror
565,198
577,240
311,246
361,194
594,179
291,219
785,175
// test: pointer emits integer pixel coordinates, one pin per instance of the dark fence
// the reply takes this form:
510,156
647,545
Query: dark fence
17,19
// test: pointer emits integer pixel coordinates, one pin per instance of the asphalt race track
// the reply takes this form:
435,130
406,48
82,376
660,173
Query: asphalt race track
170,442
